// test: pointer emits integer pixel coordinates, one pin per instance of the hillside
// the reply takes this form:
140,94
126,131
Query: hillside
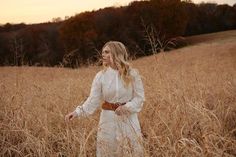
218,36
190,107
75,41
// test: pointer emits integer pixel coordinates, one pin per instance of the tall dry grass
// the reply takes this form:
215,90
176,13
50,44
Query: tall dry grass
190,107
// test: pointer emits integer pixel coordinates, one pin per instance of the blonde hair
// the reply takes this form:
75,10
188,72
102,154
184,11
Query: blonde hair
120,58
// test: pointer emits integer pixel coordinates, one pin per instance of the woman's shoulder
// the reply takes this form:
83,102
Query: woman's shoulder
98,75
134,72
101,73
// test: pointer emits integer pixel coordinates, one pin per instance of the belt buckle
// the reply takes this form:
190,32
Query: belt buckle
119,104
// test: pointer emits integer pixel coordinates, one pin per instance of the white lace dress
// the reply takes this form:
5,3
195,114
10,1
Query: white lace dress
117,135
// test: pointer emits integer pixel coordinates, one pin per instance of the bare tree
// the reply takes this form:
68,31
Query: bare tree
17,48
157,40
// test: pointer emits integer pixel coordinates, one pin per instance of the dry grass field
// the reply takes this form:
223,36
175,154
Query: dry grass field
190,107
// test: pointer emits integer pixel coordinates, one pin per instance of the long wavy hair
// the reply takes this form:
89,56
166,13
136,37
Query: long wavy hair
120,58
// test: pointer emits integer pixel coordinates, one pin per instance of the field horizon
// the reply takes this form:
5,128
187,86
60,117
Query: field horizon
190,107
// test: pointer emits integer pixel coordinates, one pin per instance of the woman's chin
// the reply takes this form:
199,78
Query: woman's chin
105,63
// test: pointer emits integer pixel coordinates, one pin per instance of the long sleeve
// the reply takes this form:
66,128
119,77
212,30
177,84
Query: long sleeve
136,103
93,101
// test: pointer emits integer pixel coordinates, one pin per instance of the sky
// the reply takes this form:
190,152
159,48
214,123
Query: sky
37,11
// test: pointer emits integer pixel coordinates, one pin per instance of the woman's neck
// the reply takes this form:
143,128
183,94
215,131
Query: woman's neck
113,67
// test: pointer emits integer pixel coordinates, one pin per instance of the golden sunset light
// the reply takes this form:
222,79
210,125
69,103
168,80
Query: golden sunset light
132,78
37,11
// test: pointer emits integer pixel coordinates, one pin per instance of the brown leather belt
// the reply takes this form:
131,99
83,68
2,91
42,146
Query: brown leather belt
111,106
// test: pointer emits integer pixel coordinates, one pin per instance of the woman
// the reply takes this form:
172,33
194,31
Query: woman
121,88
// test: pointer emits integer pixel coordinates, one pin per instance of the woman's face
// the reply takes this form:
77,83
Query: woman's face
106,56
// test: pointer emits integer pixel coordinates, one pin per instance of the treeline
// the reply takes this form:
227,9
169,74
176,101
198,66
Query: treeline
78,39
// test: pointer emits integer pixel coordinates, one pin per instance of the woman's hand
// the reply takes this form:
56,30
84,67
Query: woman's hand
70,116
122,110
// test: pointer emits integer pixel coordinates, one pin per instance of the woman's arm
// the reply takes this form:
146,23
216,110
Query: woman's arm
91,103
136,104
